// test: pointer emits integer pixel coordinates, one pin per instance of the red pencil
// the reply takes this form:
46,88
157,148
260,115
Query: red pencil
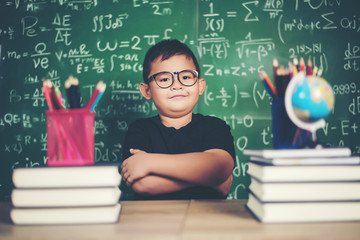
302,65
309,67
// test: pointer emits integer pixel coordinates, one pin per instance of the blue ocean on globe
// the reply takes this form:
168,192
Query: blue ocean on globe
312,99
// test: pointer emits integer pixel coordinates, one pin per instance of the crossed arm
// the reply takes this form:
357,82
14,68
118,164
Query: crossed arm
149,173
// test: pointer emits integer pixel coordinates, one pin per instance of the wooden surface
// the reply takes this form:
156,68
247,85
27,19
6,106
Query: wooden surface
225,219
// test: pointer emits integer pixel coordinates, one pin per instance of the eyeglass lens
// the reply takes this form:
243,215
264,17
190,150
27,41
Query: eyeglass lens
186,77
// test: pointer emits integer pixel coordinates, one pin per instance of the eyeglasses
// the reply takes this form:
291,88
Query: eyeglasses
166,79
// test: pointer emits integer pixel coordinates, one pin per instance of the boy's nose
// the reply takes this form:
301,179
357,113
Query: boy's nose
177,84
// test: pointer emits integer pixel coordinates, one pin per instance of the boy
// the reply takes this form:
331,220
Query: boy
177,154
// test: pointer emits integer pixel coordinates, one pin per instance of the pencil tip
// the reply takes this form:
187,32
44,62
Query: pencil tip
302,61
103,87
275,62
296,61
309,62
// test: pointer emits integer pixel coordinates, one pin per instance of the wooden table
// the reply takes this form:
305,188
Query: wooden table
206,219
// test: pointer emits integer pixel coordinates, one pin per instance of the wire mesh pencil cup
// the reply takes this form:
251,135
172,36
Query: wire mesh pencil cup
70,137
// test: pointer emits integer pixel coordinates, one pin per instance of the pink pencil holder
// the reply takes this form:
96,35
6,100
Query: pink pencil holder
70,135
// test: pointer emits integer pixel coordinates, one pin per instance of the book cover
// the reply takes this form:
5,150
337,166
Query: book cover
69,176
308,161
65,197
270,173
305,191
80,215
296,153
293,212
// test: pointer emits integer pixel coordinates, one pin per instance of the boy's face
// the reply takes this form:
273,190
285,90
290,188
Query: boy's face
177,100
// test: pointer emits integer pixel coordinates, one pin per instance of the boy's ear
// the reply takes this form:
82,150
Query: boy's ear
202,85
145,90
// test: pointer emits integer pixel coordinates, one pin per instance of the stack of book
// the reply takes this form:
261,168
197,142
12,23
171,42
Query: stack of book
66,195
307,185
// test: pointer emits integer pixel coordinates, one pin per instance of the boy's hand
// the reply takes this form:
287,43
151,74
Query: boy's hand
224,187
135,167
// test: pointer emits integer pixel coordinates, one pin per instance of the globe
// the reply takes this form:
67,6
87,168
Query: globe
308,100
312,99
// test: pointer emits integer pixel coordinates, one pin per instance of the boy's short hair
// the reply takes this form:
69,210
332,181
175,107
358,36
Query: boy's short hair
166,49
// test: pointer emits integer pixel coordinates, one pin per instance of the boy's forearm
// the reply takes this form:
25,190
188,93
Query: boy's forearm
152,185
209,168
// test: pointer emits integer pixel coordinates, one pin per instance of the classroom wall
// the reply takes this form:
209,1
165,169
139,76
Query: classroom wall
107,40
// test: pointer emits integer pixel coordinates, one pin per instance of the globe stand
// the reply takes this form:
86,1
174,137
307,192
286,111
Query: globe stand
311,127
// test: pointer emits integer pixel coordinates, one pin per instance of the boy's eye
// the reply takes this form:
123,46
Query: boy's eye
187,76
164,77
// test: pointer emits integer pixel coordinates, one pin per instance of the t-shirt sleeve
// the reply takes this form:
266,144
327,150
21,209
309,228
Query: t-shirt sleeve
135,138
218,136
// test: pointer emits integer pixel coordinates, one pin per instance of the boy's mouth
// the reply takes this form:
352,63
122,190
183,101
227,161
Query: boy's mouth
177,96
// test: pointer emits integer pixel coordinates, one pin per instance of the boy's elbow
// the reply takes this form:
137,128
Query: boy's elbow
227,168
140,188
143,187
222,167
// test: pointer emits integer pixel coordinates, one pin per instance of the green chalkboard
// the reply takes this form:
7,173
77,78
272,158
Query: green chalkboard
107,40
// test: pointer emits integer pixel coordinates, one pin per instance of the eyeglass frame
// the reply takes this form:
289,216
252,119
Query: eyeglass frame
152,77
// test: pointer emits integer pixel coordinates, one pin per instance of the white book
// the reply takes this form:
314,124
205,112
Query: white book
81,215
303,173
65,197
297,153
305,191
308,161
291,212
69,176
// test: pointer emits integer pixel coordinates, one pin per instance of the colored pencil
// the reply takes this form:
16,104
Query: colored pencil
53,98
287,79
59,96
73,92
275,67
296,65
279,83
269,82
315,70
46,93
319,73
98,97
68,94
302,65
309,67
291,69
76,92
99,87
267,88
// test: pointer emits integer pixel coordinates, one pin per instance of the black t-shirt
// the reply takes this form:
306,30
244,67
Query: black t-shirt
202,133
